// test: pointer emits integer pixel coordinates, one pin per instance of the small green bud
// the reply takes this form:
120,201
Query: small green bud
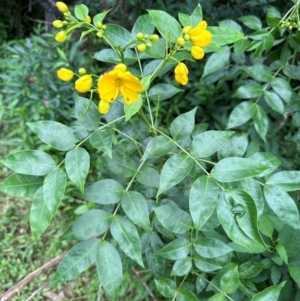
141,47
103,27
58,24
99,25
149,45
100,34
154,38
140,36
180,41
187,37
186,29
82,71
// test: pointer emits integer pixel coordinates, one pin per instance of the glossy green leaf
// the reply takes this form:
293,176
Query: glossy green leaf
206,264
282,205
210,247
182,266
282,88
184,19
261,122
185,295
125,233
132,109
230,281
289,238
175,169
163,91
157,51
119,35
250,269
267,159
135,207
274,101
148,176
286,180
40,215
91,223
248,91
144,24
260,72
196,16
183,125
109,268
110,56
35,163
21,185
106,191
241,114
240,46
54,189
235,169
225,35
77,164
158,146
179,248
166,287
217,61
203,200
207,143
236,146
81,11
173,218
167,26
102,140
77,260
88,119
270,293
54,134
99,17
251,22
217,297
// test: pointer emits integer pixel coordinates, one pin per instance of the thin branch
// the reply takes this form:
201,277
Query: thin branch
17,287
137,274
38,290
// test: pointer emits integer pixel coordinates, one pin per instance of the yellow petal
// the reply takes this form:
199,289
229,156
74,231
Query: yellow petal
65,74
107,86
84,83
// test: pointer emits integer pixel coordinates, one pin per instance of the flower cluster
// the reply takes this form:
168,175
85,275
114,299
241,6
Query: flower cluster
144,41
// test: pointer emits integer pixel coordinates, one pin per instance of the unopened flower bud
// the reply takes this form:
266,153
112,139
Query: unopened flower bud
84,83
103,107
141,47
65,74
99,25
100,34
149,45
62,7
61,37
154,38
187,37
180,41
82,71
140,36
58,24
88,19
186,29
103,27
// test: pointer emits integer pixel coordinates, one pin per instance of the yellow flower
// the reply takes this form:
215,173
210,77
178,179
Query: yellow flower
197,52
61,37
58,24
199,36
62,7
84,83
88,19
103,107
65,74
119,82
181,74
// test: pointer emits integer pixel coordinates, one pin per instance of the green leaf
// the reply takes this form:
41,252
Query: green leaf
185,295
260,72
54,189
211,247
90,120
203,200
236,146
91,223
148,176
274,101
81,11
179,248
217,297
183,125
110,56
206,264
282,205
77,164
267,159
241,114
230,281
235,169
104,192
100,17
21,185
174,171
251,22
216,61
182,267
77,260
133,108
173,218
119,35
157,147
109,268
240,46
125,233
289,237
167,26
135,207
143,24
207,143
250,269
196,16
54,134
261,122
166,287
163,91
271,293
35,163
184,19
102,140
282,88
286,180
225,35
40,215
249,91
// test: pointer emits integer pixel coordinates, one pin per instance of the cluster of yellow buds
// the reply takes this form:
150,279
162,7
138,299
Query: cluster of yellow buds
145,41
83,84
101,29
290,23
